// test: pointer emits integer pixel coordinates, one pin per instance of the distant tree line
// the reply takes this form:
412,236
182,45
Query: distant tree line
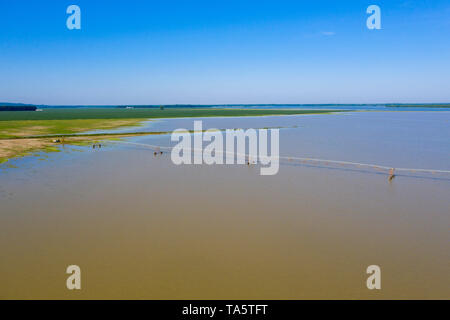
18,108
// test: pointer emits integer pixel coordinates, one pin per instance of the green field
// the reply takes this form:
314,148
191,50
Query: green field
27,128
120,113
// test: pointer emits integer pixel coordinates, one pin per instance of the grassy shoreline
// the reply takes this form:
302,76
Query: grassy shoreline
14,129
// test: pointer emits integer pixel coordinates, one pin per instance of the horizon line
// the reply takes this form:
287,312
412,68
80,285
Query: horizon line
228,104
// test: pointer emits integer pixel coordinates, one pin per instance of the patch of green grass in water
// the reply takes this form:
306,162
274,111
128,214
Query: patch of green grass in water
50,149
80,143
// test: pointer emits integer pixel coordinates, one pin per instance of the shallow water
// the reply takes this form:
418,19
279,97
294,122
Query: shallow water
141,227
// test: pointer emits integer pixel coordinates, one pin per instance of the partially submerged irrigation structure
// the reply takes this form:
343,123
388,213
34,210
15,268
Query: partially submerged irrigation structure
389,171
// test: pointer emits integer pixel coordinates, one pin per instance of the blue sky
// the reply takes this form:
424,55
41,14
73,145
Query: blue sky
212,52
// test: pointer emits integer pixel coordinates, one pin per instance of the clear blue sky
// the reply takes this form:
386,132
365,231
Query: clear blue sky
211,52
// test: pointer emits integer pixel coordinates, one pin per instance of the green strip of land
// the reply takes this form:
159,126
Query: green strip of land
141,113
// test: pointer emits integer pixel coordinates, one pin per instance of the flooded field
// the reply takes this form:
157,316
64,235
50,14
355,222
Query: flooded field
141,227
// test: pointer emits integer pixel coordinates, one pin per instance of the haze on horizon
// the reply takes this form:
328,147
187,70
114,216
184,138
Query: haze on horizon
204,52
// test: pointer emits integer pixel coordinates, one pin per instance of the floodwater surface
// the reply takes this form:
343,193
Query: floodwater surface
141,227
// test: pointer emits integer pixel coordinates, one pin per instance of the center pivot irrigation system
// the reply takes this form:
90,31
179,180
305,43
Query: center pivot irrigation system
390,171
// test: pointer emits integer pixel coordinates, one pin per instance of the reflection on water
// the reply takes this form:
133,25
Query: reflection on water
141,227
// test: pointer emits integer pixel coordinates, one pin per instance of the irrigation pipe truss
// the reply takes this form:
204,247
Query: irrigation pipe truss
309,160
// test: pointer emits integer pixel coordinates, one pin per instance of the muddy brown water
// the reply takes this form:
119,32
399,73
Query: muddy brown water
140,227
